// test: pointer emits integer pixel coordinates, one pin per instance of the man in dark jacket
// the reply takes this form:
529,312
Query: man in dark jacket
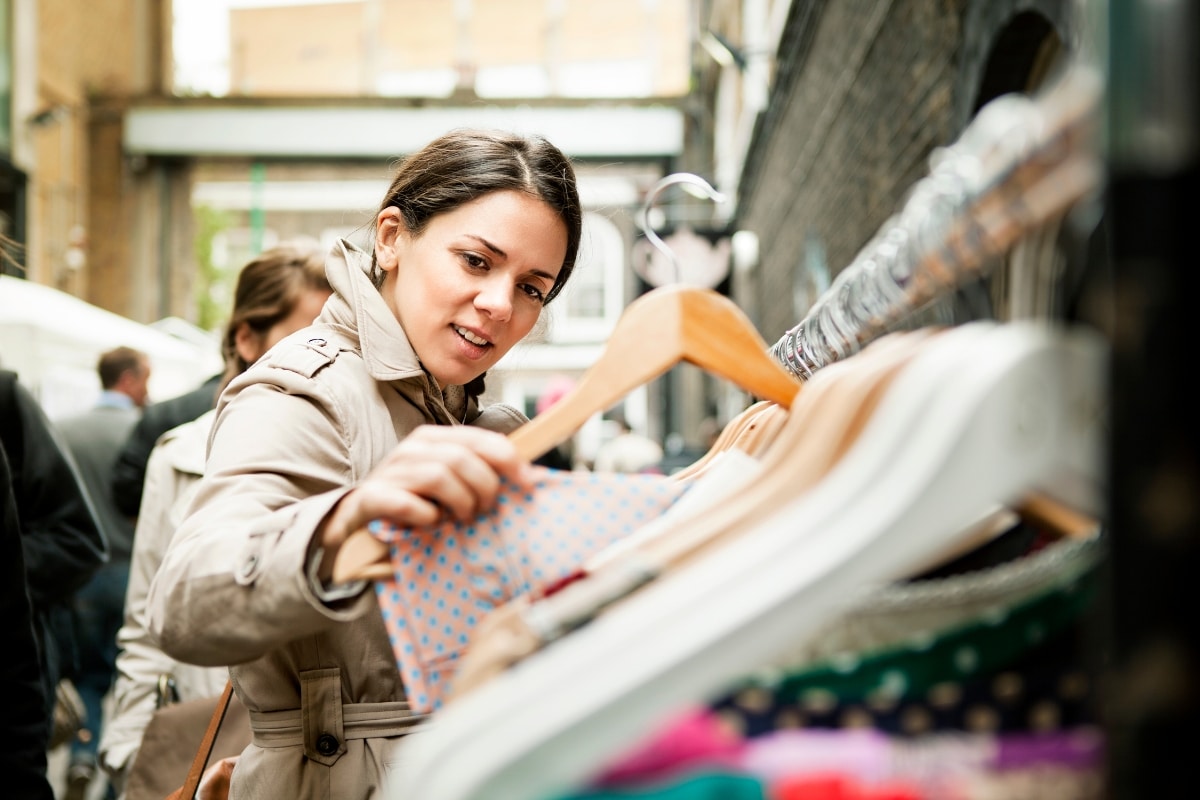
130,471
61,539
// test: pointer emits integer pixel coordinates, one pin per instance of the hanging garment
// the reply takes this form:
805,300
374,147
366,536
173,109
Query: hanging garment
446,578
857,763
715,785
1020,663
989,649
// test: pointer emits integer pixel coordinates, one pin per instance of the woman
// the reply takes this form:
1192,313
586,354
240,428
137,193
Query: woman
370,413
279,292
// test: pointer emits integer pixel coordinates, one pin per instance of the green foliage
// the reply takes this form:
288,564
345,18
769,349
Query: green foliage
214,285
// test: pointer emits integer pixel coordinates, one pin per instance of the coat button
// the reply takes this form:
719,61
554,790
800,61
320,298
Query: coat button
327,744
318,342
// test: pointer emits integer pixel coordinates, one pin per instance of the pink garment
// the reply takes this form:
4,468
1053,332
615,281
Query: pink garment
694,739
448,577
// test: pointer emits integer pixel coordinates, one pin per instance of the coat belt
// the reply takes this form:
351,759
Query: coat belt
359,721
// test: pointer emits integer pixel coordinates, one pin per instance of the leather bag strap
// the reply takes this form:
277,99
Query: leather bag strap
200,762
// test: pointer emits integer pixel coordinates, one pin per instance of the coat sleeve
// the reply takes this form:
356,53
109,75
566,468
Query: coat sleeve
233,584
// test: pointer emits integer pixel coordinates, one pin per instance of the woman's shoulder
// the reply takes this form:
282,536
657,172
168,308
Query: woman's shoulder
499,417
315,376
316,361
310,351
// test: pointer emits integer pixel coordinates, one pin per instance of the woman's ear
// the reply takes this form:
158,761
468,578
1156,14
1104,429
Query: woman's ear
389,229
248,343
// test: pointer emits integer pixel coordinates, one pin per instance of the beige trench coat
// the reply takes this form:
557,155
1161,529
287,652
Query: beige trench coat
292,434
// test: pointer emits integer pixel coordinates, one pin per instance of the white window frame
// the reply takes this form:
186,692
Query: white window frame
602,247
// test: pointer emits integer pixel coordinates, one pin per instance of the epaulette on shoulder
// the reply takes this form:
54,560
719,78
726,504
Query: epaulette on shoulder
306,357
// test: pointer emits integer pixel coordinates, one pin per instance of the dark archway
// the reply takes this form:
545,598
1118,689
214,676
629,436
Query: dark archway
1009,46
1016,48
1020,58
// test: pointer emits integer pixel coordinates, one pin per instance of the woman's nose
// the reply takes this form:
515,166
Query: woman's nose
494,297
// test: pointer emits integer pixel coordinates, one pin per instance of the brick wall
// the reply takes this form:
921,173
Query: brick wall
872,97
866,90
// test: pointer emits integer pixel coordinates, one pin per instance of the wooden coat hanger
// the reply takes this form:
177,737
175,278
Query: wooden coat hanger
661,329
761,436
751,431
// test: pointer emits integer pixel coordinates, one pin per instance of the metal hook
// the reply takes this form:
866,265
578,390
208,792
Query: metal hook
688,179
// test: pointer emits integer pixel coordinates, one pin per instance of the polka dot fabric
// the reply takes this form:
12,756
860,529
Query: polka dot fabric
446,578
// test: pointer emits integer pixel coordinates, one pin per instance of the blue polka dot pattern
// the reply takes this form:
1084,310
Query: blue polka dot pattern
447,578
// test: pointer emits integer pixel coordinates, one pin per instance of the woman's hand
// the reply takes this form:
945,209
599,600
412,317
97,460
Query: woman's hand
437,472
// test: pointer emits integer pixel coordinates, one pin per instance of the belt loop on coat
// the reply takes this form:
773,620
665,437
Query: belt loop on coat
321,715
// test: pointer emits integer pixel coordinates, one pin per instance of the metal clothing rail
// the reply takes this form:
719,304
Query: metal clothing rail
1021,162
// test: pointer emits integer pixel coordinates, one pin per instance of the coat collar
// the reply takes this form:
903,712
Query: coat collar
358,308
385,347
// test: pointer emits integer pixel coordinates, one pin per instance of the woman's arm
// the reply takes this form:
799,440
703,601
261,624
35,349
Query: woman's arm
232,583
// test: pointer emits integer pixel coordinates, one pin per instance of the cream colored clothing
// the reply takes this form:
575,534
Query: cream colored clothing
172,475
293,434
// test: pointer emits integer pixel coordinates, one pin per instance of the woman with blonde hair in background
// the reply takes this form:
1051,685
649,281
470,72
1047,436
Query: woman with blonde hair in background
279,292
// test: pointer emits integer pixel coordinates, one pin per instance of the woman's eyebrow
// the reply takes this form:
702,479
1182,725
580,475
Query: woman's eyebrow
488,245
538,272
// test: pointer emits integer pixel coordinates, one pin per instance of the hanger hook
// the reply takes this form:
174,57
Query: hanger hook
688,179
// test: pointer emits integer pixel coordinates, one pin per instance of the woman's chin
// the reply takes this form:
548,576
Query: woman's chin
457,377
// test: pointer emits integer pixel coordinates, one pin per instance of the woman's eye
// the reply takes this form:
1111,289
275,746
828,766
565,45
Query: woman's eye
474,261
533,292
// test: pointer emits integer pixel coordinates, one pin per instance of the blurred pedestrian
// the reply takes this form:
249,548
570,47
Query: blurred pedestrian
372,412
279,292
61,536
94,438
23,729
627,451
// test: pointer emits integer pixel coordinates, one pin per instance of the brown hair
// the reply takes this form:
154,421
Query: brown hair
268,289
464,164
116,362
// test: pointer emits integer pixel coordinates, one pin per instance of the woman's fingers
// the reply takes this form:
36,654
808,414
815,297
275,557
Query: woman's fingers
458,470
375,500
433,473
494,448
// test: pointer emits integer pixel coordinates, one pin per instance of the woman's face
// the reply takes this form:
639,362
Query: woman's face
472,285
